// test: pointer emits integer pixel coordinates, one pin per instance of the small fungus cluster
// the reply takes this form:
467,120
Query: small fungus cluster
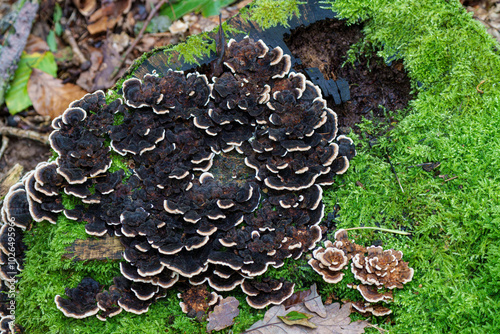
224,179
377,269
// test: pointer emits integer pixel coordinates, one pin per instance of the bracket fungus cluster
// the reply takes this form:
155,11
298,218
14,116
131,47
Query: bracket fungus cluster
224,179
377,269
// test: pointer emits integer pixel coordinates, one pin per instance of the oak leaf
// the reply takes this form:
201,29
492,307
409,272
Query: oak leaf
313,302
337,321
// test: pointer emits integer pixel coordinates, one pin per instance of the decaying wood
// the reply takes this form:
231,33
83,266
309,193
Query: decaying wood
14,45
5,143
106,248
28,134
9,179
68,37
161,62
310,12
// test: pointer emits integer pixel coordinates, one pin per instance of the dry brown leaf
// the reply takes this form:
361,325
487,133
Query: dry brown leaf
314,304
49,95
85,7
102,25
337,321
104,61
223,314
36,44
297,298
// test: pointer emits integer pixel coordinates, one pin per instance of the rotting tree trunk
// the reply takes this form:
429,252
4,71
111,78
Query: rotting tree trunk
14,44
310,12
110,248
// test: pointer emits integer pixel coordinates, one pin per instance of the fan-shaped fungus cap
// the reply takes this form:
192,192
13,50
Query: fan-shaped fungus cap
350,248
382,268
82,300
370,294
107,302
376,310
269,291
16,208
328,262
7,324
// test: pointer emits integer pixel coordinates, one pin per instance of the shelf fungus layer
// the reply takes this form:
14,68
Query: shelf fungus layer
223,180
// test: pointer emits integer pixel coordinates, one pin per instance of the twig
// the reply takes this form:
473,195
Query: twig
160,34
451,178
479,84
5,142
378,229
14,44
381,330
68,36
28,134
394,171
138,38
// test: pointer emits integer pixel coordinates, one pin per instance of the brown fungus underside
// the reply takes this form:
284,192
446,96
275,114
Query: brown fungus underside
227,176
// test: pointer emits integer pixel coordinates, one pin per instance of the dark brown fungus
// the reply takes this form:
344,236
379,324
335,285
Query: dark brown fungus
107,302
266,292
128,300
222,179
81,302
15,209
7,324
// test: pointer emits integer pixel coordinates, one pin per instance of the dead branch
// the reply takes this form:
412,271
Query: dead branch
5,143
14,45
68,37
20,133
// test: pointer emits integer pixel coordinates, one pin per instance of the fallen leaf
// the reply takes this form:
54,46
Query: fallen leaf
102,25
104,61
86,79
314,304
85,7
223,314
337,321
297,298
17,98
49,95
298,318
35,44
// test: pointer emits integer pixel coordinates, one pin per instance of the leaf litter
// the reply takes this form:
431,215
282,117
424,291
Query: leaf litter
330,319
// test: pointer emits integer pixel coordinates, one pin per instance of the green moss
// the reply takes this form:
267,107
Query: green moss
455,222
270,13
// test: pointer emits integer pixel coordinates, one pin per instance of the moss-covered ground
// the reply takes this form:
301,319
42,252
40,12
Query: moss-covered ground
454,248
